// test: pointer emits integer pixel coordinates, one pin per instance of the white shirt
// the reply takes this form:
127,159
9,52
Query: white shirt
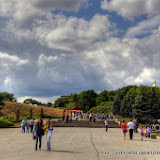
50,131
106,123
130,125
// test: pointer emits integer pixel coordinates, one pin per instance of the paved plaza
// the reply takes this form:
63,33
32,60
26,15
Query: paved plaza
77,144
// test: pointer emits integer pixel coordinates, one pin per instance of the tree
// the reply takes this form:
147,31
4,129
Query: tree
147,105
117,104
102,97
49,104
61,102
1,100
7,96
32,101
87,100
73,101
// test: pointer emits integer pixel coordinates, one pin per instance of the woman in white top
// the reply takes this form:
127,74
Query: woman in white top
106,124
48,131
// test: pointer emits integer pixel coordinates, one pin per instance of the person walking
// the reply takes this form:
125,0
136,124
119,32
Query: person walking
142,133
148,132
67,118
124,129
48,131
131,127
90,117
27,126
94,120
23,125
106,124
136,126
31,123
38,133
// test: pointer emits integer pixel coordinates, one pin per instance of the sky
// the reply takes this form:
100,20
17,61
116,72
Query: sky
50,48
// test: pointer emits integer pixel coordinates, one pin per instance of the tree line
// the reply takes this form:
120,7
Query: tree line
86,100
140,102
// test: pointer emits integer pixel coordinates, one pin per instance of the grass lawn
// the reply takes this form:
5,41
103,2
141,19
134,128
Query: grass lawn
128,119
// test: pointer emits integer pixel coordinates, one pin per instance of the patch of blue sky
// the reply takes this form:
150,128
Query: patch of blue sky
143,35
3,18
94,7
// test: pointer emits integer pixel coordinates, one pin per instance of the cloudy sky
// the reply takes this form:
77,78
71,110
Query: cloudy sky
50,48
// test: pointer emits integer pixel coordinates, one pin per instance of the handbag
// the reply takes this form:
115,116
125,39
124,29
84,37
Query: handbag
126,130
34,137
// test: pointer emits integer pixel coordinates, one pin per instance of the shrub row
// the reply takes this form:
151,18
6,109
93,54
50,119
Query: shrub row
5,123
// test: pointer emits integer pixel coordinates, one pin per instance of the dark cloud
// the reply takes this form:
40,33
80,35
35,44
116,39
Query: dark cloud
59,55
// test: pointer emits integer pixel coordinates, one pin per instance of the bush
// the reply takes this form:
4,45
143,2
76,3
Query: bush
47,116
27,116
24,117
104,107
10,118
36,116
5,123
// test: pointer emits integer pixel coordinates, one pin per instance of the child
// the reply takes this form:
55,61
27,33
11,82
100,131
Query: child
142,133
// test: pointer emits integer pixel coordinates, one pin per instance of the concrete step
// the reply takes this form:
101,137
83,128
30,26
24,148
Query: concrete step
85,123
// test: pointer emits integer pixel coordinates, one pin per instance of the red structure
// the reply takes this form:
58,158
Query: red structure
78,111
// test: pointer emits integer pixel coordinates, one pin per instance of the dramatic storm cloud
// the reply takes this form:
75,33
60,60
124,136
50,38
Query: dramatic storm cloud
50,48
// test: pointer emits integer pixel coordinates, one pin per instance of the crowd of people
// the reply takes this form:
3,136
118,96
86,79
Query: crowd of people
132,126
38,129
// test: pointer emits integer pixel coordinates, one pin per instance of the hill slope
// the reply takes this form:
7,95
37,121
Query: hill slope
10,109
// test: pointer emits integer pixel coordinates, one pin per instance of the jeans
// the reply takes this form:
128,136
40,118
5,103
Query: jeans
38,137
136,129
27,130
106,128
23,129
48,140
131,133
31,126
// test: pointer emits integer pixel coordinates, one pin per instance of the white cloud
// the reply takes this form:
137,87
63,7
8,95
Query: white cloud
144,27
25,12
148,75
40,99
58,55
10,65
113,62
6,60
132,8
72,33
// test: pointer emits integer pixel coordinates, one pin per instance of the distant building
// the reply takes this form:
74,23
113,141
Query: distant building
64,96
155,85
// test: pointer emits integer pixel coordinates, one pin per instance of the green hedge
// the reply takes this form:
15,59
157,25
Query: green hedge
5,123
104,107
10,118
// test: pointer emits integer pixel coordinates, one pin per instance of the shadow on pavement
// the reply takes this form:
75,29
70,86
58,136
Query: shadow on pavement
62,151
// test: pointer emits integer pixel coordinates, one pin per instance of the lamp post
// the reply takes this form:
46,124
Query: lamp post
30,113
63,115
42,112
17,117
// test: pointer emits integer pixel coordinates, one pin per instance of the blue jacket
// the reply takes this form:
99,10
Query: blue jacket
38,130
